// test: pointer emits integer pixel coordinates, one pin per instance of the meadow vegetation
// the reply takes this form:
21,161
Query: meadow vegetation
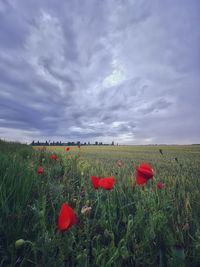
129,225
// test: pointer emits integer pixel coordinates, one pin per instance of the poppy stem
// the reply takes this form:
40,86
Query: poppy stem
98,202
109,213
33,249
127,205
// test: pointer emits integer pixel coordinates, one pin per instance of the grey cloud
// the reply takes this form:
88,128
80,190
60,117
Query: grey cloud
101,70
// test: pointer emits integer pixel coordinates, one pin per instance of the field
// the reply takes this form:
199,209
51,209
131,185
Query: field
129,225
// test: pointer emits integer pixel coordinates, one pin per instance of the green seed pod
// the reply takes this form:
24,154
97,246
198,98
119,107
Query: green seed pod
19,243
130,224
124,252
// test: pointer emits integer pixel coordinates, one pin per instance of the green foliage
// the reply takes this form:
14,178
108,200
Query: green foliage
128,226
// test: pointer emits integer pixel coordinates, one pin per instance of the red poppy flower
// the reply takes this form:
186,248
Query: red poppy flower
79,146
67,148
95,181
160,185
53,156
40,170
143,173
105,183
79,154
67,218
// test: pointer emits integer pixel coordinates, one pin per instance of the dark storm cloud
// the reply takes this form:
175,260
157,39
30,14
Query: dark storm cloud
103,70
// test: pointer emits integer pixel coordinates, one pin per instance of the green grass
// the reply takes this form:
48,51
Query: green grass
130,225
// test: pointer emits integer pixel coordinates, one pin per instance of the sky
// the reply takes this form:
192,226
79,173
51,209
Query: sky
126,71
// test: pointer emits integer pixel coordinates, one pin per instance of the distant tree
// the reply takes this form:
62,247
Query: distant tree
96,143
112,143
46,143
33,143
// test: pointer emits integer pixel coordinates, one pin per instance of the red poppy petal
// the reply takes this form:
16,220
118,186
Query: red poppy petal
73,219
95,182
67,218
53,157
140,180
145,170
107,183
40,170
160,185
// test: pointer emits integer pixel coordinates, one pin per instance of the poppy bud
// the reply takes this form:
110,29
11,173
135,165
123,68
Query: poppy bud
40,170
19,243
160,185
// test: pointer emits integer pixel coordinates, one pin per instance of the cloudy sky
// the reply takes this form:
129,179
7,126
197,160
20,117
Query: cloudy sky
100,70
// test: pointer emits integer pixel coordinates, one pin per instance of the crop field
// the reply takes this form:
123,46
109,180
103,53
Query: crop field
87,206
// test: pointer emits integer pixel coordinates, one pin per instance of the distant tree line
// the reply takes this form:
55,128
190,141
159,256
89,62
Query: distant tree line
49,143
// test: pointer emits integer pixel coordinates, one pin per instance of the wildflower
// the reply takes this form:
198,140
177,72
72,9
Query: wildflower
67,218
143,173
105,183
79,146
95,182
160,185
40,170
86,210
119,163
79,154
67,148
53,156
